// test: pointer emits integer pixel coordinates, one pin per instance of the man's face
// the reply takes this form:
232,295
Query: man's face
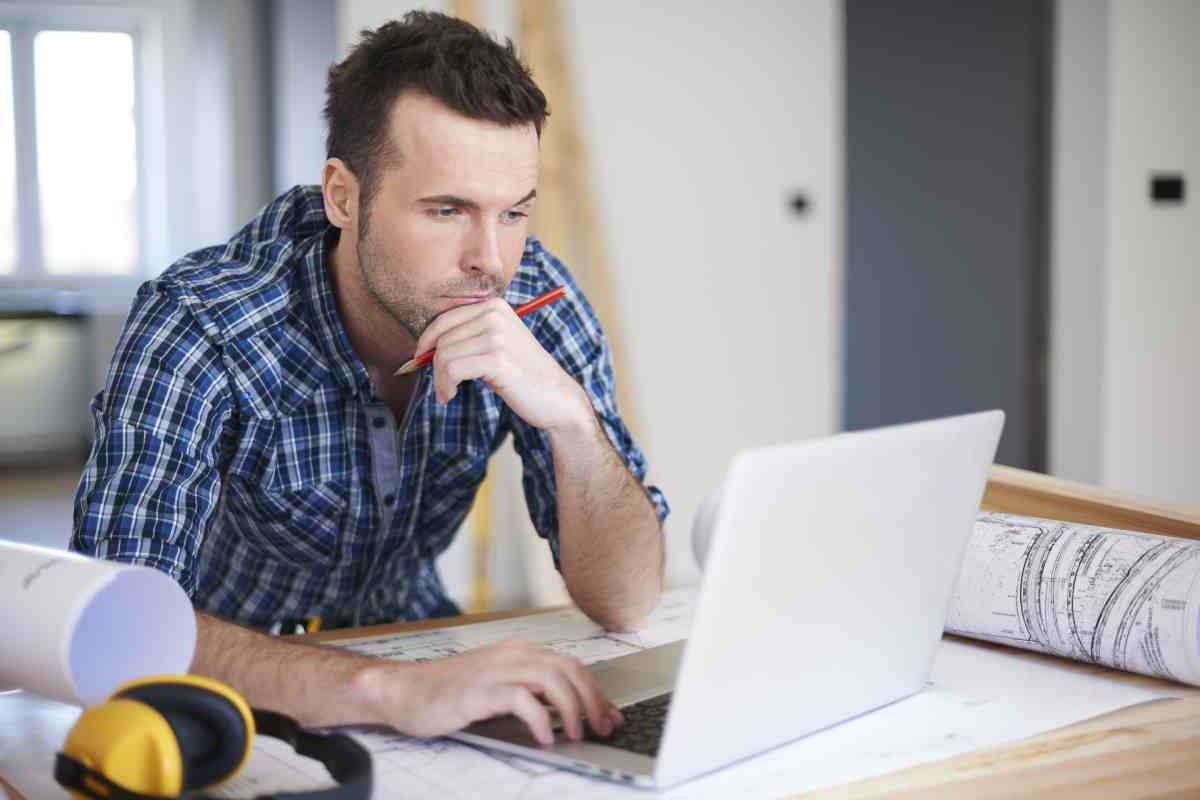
448,221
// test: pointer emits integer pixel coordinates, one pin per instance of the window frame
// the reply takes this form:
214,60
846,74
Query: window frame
145,25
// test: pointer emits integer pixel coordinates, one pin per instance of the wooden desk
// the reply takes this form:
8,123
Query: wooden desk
1144,750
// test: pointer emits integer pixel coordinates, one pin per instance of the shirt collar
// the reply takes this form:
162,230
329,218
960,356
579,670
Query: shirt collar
327,325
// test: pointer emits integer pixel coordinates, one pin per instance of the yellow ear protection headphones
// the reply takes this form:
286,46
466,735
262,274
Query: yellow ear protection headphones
160,737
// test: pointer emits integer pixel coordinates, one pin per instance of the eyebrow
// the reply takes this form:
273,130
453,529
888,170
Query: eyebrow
462,202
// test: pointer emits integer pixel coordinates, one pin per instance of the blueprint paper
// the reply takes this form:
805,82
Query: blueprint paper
1126,600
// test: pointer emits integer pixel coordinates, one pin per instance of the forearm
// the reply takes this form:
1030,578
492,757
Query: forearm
315,685
610,540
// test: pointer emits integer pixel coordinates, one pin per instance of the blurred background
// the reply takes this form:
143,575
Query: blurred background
794,218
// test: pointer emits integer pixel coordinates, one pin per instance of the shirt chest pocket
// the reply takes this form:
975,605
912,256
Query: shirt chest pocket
287,491
301,526
452,478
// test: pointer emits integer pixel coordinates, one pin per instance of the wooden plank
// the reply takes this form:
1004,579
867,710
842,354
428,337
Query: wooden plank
468,10
567,217
1017,491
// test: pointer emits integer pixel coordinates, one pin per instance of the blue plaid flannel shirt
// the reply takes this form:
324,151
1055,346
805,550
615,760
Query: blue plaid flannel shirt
240,447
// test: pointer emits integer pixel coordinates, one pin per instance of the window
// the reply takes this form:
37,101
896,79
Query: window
8,161
69,153
86,151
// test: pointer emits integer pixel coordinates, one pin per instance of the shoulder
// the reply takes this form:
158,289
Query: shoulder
248,284
568,329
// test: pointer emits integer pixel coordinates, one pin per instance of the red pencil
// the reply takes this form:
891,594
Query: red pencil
426,358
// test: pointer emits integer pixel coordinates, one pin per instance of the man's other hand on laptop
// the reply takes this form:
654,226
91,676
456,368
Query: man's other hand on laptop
437,697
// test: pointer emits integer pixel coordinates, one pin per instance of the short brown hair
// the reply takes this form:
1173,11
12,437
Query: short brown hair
446,58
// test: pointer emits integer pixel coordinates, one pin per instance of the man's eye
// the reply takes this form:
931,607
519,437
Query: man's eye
514,216
448,212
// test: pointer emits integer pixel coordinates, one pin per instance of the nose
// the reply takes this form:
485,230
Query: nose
483,253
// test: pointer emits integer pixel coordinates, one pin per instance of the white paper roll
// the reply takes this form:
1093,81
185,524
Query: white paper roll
74,628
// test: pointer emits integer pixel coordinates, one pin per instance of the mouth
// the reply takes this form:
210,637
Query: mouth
455,300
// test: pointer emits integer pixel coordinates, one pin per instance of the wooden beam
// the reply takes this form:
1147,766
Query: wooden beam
1017,491
567,219
468,10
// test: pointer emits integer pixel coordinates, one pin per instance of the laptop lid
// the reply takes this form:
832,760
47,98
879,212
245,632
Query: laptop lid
827,585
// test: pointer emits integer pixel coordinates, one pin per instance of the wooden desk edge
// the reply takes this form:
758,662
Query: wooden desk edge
12,793
1142,750
393,628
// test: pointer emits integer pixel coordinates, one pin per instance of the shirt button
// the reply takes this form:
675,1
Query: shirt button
389,500
379,422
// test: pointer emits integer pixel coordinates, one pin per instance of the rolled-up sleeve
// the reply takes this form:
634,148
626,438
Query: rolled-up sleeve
151,486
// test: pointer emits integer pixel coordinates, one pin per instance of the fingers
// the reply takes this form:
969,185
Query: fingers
569,687
508,678
587,690
520,702
561,696
456,317
488,341
450,371
492,320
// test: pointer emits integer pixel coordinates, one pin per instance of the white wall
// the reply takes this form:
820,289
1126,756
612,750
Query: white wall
1151,414
231,115
1141,295
302,48
701,119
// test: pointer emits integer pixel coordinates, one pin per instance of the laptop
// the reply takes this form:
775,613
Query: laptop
827,582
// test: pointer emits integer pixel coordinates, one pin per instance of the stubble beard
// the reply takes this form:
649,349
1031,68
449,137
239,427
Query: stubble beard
398,297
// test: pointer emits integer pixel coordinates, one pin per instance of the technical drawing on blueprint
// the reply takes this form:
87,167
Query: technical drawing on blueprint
566,631
1118,598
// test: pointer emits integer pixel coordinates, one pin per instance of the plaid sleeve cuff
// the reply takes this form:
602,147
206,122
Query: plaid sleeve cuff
145,552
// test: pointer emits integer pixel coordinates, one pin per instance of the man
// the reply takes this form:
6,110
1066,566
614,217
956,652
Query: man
253,442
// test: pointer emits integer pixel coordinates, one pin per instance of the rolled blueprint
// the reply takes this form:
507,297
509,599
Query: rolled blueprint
1122,599
74,628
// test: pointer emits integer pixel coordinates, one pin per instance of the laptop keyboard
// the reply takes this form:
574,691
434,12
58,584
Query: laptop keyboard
642,730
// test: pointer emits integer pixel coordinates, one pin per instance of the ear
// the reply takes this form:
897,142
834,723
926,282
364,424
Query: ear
339,188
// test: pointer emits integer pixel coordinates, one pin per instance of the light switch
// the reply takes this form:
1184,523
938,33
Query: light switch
1167,188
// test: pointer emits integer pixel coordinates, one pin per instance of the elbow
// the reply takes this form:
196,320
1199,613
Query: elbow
624,622
624,614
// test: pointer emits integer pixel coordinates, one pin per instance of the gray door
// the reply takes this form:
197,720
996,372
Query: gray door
945,289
